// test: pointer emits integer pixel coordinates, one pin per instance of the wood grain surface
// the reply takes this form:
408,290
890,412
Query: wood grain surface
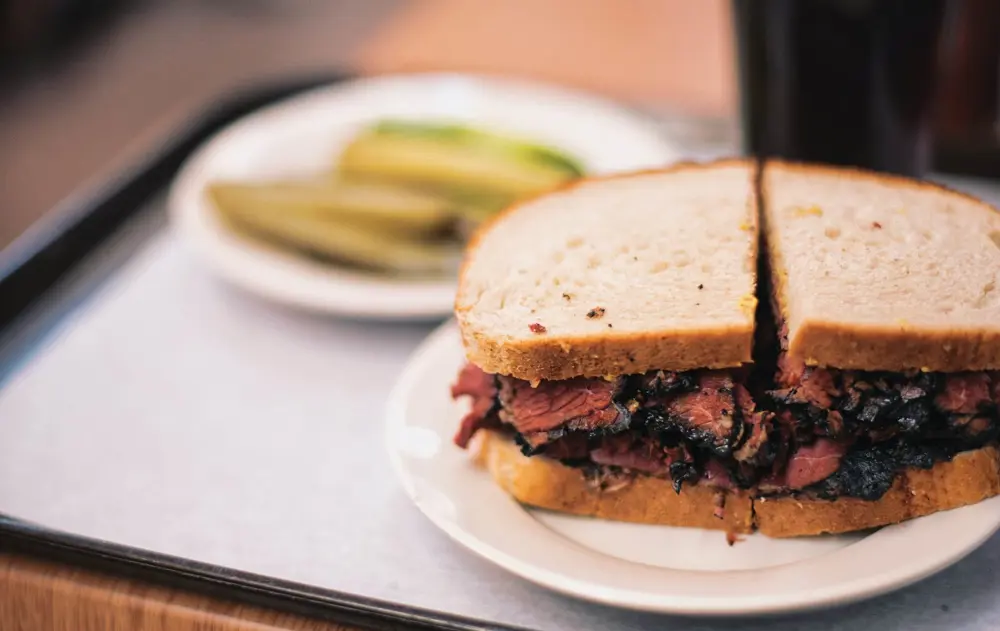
42,596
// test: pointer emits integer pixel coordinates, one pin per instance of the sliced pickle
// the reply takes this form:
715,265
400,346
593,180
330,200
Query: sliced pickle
403,197
442,167
347,242
378,205
517,148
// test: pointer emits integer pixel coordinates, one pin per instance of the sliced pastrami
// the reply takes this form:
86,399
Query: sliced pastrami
755,448
810,464
629,451
481,388
706,415
825,431
868,473
803,384
965,393
556,406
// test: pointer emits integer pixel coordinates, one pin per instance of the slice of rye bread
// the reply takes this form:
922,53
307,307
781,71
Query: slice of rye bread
616,275
545,483
541,482
876,272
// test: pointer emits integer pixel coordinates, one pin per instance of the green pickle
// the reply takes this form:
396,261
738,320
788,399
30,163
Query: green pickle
458,134
347,242
402,198
456,161
381,206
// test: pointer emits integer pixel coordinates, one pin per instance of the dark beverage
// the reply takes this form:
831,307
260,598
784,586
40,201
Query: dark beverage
845,82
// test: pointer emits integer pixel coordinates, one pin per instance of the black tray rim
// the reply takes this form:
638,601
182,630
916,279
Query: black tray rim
51,249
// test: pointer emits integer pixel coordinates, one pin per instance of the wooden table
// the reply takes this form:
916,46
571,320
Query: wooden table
38,595
674,54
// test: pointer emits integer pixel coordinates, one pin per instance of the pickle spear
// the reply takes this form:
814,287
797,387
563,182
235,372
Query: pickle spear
518,148
455,161
378,206
346,242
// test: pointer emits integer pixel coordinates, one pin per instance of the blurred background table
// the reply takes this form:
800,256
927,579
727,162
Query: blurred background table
83,96
80,110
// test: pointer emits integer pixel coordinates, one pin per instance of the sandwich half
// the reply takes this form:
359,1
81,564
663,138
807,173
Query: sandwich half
886,296
609,327
621,364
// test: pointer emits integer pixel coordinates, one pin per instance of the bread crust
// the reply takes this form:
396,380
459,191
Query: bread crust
894,347
608,354
612,353
538,481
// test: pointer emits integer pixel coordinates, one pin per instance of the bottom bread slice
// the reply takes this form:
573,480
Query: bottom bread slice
547,483
968,478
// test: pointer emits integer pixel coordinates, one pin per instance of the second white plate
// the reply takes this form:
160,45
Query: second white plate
654,568
304,134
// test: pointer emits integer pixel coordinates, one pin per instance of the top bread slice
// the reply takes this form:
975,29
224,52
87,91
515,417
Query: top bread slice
876,272
616,275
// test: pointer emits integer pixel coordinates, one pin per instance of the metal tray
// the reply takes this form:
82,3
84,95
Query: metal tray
122,449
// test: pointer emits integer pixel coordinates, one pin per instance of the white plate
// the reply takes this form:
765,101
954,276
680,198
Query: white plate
654,568
304,134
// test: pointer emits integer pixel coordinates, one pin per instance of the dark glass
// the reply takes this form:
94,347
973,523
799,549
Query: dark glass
845,82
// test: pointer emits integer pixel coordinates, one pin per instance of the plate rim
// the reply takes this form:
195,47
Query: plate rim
427,300
865,588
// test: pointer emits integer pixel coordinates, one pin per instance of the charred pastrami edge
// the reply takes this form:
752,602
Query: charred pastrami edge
831,434
877,424
688,427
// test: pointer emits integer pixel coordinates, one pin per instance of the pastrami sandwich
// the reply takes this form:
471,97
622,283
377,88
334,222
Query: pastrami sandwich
886,294
622,366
